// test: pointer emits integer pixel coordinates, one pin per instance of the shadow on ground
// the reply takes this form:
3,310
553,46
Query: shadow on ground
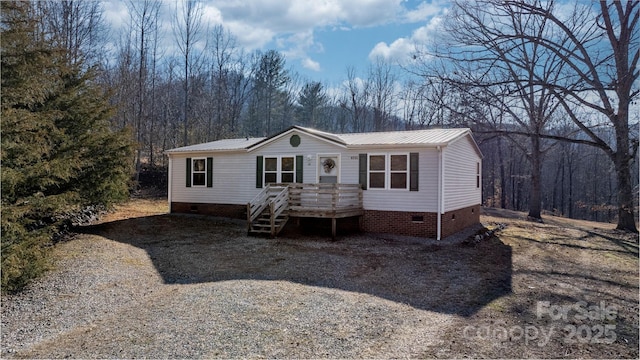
452,278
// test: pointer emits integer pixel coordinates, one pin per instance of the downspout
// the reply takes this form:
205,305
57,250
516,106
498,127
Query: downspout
169,173
440,194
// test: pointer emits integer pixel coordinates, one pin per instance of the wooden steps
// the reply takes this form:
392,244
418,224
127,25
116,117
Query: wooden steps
270,210
267,213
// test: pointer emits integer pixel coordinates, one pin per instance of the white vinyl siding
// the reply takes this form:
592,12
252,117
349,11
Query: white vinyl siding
423,200
461,163
233,179
234,175
309,149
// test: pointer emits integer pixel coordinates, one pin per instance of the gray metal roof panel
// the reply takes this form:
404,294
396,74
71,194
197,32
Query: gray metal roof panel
220,145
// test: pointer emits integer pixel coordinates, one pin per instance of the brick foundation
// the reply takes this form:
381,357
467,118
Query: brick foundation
419,224
223,210
457,220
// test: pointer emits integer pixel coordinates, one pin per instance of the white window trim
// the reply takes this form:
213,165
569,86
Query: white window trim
406,172
278,168
193,171
386,175
387,171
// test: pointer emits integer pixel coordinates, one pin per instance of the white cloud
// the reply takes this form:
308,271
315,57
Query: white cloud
363,13
398,51
422,12
310,64
298,46
302,15
402,50
115,13
250,37
212,15
290,26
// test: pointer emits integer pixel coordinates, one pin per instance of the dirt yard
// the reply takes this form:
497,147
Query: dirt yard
143,283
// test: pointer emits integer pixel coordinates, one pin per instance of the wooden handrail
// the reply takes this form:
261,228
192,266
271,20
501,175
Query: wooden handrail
273,196
258,204
325,196
280,202
306,200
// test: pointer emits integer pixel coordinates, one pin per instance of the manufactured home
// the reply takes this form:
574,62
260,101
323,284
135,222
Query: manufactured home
424,183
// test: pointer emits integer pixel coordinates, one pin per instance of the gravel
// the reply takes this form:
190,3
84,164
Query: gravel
108,298
144,284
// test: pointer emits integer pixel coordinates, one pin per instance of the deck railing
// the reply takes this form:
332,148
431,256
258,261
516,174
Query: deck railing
305,200
324,197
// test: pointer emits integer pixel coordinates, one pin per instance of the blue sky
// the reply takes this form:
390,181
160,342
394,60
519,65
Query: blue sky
319,38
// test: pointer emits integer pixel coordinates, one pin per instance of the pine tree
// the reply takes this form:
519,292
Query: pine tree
312,99
58,152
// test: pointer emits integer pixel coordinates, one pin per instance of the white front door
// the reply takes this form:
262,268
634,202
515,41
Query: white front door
328,169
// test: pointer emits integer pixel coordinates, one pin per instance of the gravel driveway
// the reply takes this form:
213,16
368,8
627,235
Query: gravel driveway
143,284
137,288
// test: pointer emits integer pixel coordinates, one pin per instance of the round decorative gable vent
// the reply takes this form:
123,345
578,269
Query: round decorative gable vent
294,140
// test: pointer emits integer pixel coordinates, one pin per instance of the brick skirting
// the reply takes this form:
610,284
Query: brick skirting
223,210
419,224
457,220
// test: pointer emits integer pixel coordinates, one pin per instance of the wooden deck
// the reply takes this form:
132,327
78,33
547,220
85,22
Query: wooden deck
328,201
325,200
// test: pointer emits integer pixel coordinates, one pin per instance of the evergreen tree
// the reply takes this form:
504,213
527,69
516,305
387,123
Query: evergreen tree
270,79
312,100
58,152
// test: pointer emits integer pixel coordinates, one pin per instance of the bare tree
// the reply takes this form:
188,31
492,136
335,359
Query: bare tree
491,66
187,29
76,26
602,53
382,82
144,15
357,99
222,45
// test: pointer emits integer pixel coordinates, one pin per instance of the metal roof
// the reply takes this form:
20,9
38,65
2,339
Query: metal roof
220,145
429,137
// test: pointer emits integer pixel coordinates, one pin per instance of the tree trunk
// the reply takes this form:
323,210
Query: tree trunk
626,217
535,203
503,177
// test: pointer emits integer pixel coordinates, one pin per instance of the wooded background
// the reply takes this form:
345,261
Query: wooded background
549,88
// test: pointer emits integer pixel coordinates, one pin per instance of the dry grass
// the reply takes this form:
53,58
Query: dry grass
149,284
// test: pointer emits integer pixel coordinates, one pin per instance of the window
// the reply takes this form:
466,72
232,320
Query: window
399,168
279,170
199,172
287,174
270,170
377,173
389,171
478,175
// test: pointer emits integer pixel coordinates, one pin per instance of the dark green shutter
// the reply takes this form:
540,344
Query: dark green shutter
188,172
209,172
259,165
413,172
299,169
363,171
